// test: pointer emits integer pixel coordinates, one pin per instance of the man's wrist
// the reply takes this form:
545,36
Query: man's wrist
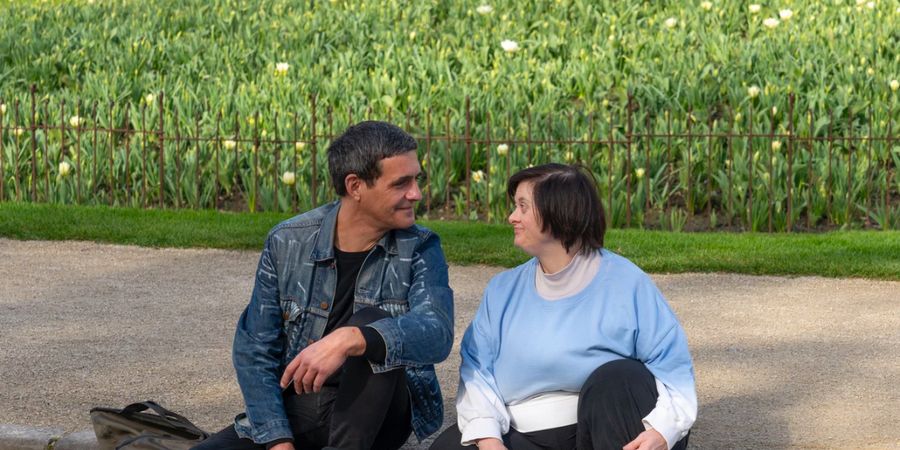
269,445
354,341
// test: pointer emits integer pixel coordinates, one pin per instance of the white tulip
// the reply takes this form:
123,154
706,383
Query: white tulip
753,91
299,146
785,14
75,121
509,46
478,176
671,22
755,8
895,85
502,149
64,169
282,68
289,178
771,22
484,9
776,145
2,108
229,144
639,173
706,5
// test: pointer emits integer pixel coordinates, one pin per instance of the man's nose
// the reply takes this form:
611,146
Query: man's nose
414,194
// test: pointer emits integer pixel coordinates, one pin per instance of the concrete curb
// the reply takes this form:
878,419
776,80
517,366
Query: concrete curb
19,437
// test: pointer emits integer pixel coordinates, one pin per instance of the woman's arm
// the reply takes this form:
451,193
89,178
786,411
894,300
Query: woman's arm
481,412
662,346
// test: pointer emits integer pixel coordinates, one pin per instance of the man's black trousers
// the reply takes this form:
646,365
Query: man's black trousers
365,411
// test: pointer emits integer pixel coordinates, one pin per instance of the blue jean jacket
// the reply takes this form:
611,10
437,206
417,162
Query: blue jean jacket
405,274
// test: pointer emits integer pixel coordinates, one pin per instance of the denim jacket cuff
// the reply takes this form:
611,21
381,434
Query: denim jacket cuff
393,346
268,432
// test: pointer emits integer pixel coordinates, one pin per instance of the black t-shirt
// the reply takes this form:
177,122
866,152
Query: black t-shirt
348,265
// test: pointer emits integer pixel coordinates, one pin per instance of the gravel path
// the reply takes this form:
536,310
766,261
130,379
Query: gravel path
781,362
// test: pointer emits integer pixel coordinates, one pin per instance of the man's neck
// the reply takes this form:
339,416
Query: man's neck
353,233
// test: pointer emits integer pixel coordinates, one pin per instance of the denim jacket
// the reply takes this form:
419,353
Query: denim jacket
405,274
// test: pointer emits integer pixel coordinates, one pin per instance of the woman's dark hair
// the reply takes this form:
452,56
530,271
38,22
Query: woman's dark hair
566,202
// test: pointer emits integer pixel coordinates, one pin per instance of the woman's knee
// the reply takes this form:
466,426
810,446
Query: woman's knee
616,374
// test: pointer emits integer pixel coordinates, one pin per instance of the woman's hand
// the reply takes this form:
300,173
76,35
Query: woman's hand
648,440
490,444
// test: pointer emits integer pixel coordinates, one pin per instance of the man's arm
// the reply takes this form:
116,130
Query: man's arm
424,335
257,351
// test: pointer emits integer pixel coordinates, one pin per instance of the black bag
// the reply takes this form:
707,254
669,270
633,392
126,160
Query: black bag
131,428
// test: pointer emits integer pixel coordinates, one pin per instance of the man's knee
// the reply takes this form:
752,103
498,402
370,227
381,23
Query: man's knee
366,316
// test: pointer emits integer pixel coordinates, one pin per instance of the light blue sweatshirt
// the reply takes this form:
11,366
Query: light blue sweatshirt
520,345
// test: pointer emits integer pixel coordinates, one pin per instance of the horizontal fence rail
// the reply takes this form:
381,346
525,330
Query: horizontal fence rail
740,169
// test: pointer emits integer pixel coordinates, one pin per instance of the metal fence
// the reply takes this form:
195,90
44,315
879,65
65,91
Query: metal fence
744,168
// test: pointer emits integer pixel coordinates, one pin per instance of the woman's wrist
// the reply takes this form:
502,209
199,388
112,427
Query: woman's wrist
488,443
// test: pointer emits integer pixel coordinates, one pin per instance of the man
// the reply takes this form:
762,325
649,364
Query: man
350,310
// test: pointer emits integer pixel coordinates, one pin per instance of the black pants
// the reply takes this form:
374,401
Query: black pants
365,411
612,403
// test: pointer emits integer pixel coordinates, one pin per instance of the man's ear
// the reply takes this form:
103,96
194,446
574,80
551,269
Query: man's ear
353,183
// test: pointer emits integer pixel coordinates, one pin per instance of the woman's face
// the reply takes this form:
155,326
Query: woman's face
526,223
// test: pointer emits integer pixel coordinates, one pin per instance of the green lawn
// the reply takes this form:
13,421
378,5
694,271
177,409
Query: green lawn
869,254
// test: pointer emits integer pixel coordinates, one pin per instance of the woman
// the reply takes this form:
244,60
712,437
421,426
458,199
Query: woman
575,348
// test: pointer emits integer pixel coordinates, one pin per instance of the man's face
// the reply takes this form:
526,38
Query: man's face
390,201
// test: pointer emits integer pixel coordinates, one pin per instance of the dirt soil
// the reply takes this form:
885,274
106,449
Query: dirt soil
802,362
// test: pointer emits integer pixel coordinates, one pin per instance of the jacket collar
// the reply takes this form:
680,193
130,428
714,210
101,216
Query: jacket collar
324,246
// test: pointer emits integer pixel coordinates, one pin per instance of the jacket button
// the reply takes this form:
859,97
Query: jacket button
286,315
323,305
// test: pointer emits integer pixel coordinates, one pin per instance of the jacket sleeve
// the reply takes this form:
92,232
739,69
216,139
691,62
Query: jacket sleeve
481,412
662,346
257,351
423,335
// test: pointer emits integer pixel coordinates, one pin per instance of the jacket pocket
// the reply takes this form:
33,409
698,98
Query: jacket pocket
291,315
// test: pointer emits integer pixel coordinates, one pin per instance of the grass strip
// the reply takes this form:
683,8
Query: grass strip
867,254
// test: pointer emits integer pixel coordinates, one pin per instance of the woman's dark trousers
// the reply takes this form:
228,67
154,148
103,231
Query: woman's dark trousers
612,403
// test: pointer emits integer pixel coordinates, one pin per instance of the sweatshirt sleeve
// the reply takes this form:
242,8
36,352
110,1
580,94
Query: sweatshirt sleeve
662,346
481,412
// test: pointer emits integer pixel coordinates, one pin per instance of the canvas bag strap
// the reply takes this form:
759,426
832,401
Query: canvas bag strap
174,419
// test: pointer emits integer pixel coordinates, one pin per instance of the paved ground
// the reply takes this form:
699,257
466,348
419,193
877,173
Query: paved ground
781,362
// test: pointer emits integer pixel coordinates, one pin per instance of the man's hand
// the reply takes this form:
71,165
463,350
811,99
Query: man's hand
316,363
490,444
648,440
283,446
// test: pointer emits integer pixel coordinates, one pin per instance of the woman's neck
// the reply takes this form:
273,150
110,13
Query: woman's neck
555,258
